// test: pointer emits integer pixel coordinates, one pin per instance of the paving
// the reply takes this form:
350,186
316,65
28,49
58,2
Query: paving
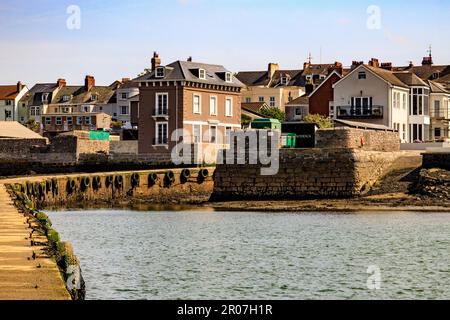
26,272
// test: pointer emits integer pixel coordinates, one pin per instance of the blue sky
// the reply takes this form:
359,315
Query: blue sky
117,38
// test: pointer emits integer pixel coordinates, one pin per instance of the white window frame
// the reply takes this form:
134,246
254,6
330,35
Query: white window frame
48,121
228,77
87,120
272,101
160,72
228,131
94,97
66,98
199,111
127,109
45,97
229,114
193,133
284,80
157,109
213,109
157,124
210,134
261,99
79,121
69,121
362,75
248,100
202,74
122,94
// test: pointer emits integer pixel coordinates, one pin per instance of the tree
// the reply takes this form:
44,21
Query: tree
321,121
273,113
245,121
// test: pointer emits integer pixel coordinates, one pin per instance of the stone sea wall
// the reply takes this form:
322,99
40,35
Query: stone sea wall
305,174
151,186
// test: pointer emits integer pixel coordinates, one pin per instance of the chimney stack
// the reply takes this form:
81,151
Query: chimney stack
356,64
273,67
20,86
336,67
156,61
125,80
61,83
387,66
411,64
89,83
374,63
189,59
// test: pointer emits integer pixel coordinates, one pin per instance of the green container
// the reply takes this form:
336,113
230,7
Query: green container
99,135
289,140
266,124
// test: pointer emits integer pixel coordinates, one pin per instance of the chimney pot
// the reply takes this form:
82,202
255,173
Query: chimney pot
189,59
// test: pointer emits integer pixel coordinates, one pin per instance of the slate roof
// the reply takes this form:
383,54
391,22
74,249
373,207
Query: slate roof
261,78
426,72
410,79
300,101
387,75
34,95
254,106
186,71
437,87
80,95
8,92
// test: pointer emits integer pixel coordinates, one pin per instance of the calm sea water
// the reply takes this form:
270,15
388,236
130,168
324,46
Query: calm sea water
233,255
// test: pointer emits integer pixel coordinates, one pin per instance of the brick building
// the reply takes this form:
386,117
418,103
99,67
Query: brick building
202,99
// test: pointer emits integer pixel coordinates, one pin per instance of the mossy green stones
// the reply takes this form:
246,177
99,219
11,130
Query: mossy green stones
135,180
97,182
67,255
85,183
20,196
152,179
109,181
16,187
118,181
43,219
53,236
169,177
71,185
23,187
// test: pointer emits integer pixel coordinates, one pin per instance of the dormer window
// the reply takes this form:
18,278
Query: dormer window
309,78
45,97
284,80
160,72
94,97
228,77
65,98
202,74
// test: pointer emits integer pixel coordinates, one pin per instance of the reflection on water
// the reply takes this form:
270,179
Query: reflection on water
219,255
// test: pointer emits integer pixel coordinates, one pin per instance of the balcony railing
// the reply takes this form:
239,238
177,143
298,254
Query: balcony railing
363,112
442,113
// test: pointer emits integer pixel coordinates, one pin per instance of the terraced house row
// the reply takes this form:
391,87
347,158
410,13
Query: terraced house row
208,100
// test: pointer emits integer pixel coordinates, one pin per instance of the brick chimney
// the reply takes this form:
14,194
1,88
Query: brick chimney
336,67
374,63
89,83
273,67
356,64
20,86
125,80
387,66
61,83
156,61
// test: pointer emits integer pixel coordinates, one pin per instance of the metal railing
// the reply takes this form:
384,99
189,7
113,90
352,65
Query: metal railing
362,112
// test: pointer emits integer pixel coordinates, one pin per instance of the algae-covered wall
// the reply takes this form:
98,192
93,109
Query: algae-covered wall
152,186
